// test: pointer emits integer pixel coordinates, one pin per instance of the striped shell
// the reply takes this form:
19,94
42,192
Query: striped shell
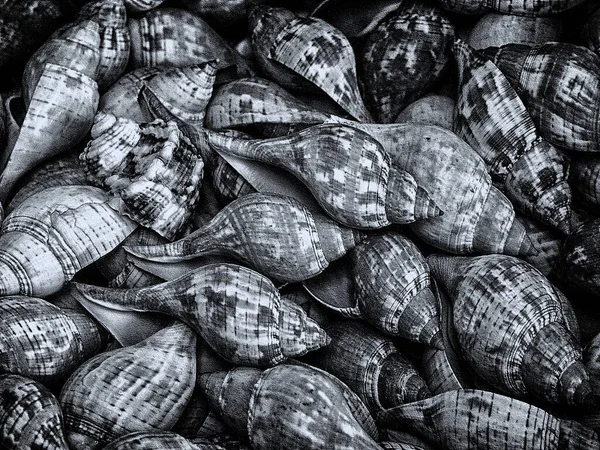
515,329
432,109
142,387
296,407
138,6
348,172
306,52
539,74
53,234
404,57
151,169
30,416
236,310
227,183
519,7
492,119
43,342
480,420
152,440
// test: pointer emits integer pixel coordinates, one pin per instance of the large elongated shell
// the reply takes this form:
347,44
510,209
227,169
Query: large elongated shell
55,233
274,234
477,216
492,119
237,311
520,8
292,407
505,304
306,52
142,387
43,342
30,416
152,169
348,172
474,419
404,57
539,74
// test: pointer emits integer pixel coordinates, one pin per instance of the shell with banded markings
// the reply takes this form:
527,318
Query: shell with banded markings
519,8
227,183
152,440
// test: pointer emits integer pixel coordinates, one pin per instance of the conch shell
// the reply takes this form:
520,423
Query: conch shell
296,407
505,304
236,310
348,172
306,53
30,416
493,120
152,170
451,420
141,387
521,8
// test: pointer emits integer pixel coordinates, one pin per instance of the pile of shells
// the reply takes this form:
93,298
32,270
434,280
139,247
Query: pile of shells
236,224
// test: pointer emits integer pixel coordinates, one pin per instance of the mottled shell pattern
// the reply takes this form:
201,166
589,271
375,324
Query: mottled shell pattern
493,120
152,170
348,172
306,52
516,7
236,310
275,408
30,416
404,57
151,440
502,303
227,183
585,179
473,419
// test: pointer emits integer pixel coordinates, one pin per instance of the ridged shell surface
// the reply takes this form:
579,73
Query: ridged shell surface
516,7
227,183
152,440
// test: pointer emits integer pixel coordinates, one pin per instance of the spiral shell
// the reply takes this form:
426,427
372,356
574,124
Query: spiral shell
546,241
151,381
432,109
237,311
521,8
503,303
473,419
30,416
493,120
151,169
290,406
227,183
53,234
304,53
404,57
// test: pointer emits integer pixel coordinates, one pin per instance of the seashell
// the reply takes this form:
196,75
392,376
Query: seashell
236,310
306,53
139,6
299,247
524,8
290,406
475,419
591,358
404,57
584,177
30,416
222,13
348,172
370,364
590,32
250,101
219,442
151,169
176,37
227,182
432,109
493,120
43,342
53,234
121,99
142,387
539,73
514,328
477,216
495,30
152,440
546,241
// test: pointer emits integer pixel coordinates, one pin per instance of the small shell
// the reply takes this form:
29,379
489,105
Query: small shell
431,109
515,330
295,407
404,57
492,119
237,311
306,52
30,416
53,234
141,387
43,342
348,172
475,420
151,169
539,75
371,365
521,8
152,440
